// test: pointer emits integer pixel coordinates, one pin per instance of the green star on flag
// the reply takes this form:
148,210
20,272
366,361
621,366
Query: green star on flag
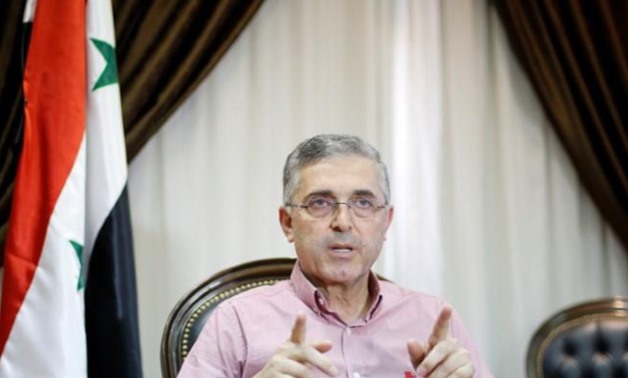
110,73
79,254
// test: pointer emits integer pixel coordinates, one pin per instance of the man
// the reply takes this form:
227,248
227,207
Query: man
336,212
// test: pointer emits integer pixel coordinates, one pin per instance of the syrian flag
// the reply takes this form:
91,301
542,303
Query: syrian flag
68,306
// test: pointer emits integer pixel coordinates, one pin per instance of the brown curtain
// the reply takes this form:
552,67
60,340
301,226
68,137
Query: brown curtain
575,54
165,49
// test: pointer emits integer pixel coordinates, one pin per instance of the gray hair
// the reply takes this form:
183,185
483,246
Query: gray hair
319,147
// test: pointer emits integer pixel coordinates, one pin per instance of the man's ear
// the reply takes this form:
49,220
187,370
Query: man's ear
389,216
390,212
285,219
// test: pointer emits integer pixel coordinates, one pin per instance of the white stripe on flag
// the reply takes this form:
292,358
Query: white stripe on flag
106,159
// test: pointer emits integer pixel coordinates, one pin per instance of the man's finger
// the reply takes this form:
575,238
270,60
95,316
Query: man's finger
323,346
316,358
444,359
417,352
298,330
441,327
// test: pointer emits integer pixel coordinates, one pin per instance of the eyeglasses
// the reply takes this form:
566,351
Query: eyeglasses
317,207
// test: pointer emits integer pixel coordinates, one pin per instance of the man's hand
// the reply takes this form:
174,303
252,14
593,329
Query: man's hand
292,358
442,356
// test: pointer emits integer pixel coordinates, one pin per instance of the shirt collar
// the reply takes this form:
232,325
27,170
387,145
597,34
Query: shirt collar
316,301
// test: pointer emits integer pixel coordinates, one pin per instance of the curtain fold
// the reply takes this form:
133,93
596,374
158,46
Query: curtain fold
165,49
10,103
576,56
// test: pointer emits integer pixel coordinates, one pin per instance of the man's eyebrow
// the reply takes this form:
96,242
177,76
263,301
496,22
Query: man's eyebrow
329,193
321,193
363,193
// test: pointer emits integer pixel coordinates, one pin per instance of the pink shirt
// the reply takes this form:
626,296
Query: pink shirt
244,331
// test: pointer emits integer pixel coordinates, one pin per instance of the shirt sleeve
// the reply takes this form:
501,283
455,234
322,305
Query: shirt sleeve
219,350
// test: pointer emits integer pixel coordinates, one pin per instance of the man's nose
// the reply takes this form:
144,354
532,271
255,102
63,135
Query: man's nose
342,219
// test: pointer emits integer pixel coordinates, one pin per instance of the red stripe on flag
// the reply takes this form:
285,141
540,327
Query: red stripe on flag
55,89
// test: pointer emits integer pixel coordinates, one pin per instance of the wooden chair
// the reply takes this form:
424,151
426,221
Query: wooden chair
191,312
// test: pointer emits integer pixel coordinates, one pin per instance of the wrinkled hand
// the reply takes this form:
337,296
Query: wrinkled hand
441,356
293,358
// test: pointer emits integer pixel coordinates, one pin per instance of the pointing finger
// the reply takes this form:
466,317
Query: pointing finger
441,327
298,330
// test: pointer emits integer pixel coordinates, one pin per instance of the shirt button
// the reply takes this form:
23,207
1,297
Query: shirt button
356,374
349,333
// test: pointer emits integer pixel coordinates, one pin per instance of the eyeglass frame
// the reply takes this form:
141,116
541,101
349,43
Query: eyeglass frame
335,205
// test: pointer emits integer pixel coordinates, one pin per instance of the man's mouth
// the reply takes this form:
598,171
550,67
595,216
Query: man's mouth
342,248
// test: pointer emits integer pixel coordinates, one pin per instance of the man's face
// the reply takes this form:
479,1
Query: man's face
338,249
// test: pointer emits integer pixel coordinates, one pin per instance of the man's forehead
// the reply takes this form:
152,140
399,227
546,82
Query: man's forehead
345,174
341,165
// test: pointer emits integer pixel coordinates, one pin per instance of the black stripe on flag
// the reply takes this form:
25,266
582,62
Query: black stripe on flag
111,320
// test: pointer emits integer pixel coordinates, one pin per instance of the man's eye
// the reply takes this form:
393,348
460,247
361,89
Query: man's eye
363,203
318,203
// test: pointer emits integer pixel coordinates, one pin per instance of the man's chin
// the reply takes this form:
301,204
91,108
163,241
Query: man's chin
345,277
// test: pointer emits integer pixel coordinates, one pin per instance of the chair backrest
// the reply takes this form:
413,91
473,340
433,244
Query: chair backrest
586,340
191,312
